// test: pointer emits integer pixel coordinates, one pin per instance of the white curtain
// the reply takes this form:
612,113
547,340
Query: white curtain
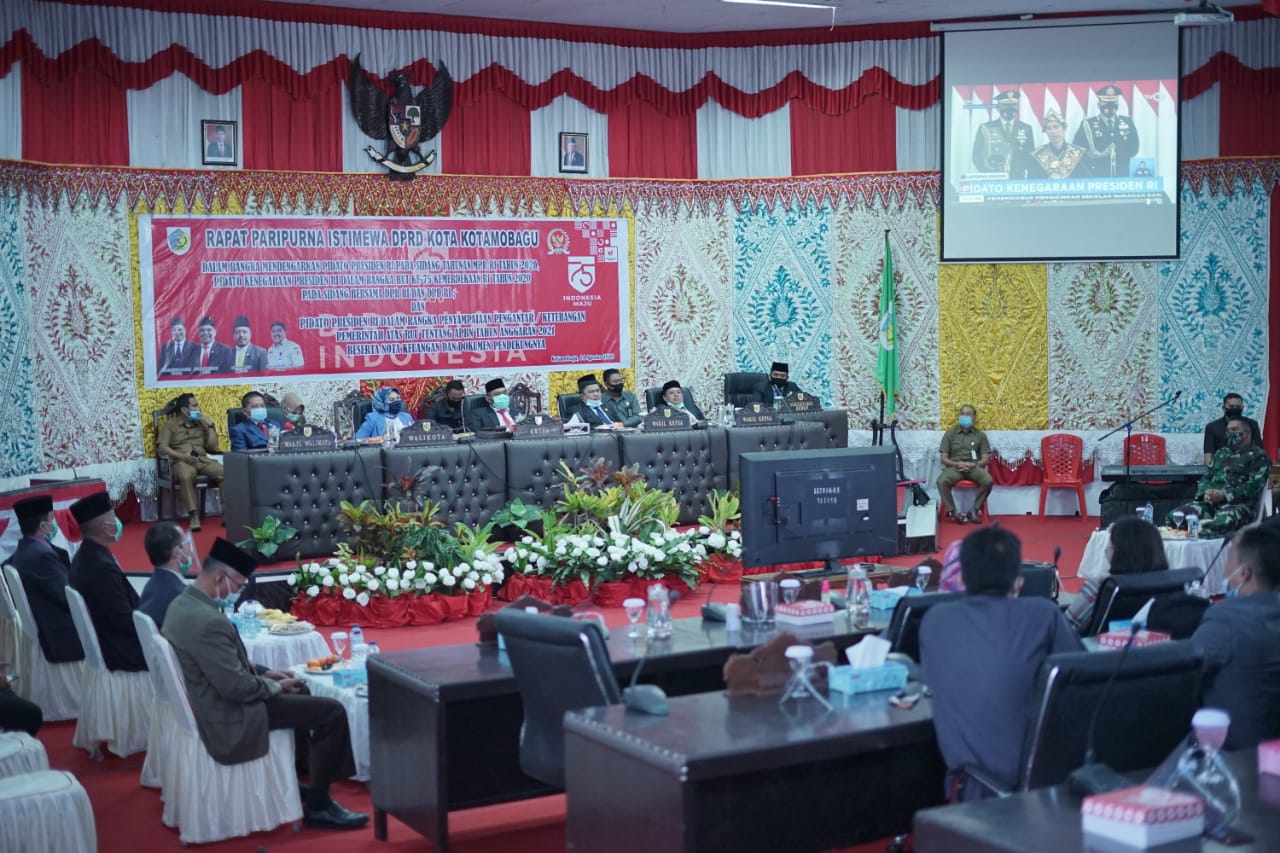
1200,118
164,122
919,139
561,115
730,146
11,108
354,143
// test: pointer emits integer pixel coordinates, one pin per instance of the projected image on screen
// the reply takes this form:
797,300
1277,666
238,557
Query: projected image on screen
1060,143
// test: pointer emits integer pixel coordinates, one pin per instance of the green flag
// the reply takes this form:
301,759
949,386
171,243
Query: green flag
887,359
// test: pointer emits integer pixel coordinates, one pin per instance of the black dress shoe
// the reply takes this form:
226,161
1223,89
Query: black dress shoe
333,816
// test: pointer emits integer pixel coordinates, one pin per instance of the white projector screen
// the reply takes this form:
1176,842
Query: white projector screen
1060,143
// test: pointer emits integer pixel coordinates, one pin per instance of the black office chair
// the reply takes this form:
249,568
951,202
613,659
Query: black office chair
560,665
1146,714
567,404
903,632
1122,596
469,402
1039,580
359,409
739,388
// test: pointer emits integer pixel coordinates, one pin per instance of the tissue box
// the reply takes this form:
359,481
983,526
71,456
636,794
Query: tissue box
886,599
350,677
1269,758
805,613
889,676
1118,639
1143,816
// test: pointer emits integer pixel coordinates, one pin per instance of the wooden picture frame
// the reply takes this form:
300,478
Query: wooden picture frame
219,142
573,152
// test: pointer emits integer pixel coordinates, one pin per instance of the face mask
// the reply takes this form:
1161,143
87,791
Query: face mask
393,409
258,415
1234,411
965,421
115,537
616,388
1234,438
225,601
293,417
595,404
1232,591
184,565
53,532
677,406
501,401
194,414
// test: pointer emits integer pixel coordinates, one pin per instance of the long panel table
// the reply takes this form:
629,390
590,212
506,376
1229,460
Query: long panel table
748,774
1048,820
444,723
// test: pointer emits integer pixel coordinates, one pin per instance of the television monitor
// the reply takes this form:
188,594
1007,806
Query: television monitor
802,505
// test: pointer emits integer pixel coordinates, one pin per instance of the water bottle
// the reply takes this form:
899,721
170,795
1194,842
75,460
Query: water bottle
659,617
373,649
389,432
1149,513
859,590
357,636
273,438
1193,526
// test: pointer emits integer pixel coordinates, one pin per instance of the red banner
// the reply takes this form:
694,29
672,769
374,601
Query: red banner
226,298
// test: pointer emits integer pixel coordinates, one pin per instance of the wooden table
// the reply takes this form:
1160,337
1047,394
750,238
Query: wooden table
1048,820
748,774
444,722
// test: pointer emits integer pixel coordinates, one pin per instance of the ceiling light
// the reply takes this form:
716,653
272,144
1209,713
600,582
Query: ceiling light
782,3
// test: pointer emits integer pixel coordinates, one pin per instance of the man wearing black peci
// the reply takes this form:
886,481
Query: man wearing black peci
777,387
447,411
43,568
108,594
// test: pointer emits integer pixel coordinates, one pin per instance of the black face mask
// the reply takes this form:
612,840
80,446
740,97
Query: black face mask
616,388
1234,411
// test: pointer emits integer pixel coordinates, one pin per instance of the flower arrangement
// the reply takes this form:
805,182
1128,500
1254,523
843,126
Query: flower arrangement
345,575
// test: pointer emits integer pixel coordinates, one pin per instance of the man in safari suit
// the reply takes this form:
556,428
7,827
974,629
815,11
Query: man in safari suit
236,704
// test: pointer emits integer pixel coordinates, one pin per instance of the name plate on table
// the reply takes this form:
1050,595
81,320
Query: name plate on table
305,440
666,419
539,426
801,402
424,432
756,414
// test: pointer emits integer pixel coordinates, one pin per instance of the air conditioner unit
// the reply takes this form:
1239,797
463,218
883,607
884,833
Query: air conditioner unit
1207,18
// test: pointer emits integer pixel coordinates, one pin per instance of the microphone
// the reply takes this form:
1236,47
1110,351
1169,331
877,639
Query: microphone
1057,576
1094,777
645,698
712,612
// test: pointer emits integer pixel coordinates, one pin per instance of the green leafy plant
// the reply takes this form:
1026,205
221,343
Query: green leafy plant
517,513
726,511
268,538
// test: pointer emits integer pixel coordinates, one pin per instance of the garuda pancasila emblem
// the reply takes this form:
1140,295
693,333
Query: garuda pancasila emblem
404,120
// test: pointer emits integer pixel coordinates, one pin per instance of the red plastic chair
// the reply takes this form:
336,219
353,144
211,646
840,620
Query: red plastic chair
967,484
1061,456
1145,448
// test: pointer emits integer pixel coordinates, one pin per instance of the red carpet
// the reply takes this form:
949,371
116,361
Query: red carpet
128,816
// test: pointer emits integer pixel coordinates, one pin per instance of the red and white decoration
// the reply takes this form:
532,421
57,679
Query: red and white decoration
1143,816
1119,639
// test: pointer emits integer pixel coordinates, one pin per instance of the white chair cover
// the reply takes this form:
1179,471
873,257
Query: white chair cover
55,687
147,632
45,812
9,627
21,753
208,801
115,707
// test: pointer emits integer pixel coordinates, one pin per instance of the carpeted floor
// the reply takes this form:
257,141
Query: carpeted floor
128,816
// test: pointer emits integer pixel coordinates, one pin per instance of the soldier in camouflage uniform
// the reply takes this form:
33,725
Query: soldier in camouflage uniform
1227,498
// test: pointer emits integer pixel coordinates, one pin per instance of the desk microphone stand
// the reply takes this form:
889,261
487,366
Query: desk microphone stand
1127,426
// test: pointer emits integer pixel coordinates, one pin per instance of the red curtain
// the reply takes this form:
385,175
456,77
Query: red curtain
861,140
1249,123
487,134
644,143
281,132
80,118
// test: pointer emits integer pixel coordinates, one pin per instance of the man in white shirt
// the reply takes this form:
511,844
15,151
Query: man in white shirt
283,354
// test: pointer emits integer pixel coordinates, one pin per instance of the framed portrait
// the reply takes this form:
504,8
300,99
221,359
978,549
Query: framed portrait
573,152
220,142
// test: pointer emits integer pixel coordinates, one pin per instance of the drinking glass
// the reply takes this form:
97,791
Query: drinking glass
339,640
635,609
923,574
790,590
1177,515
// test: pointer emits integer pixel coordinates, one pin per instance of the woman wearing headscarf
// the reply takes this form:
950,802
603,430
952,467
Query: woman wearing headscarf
387,406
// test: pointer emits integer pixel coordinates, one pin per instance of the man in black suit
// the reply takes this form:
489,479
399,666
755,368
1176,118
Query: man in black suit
673,396
179,354
493,411
16,713
170,554
220,148
777,387
97,576
212,357
447,411
573,158
247,357
43,568
589,406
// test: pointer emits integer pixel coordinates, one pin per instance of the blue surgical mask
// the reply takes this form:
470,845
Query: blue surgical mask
965,421
119,530
184,565
1232,591
501,401
258,414
595,404
393,409
225,601
679,406
293,417
194,414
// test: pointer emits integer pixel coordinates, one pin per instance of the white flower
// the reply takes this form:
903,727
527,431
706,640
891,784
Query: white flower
361,569
363,599
716,540
602,561
447,580
344,578
292,579
420,583
373,585
478,555
348,593
461,568
393,584
468,584
393,572
313,591
379,570
411,565
486,579
428,566
429,578
327,580
526,540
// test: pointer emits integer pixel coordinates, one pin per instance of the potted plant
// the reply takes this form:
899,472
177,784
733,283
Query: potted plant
267,538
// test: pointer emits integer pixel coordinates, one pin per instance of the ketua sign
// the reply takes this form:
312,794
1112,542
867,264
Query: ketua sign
225,298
